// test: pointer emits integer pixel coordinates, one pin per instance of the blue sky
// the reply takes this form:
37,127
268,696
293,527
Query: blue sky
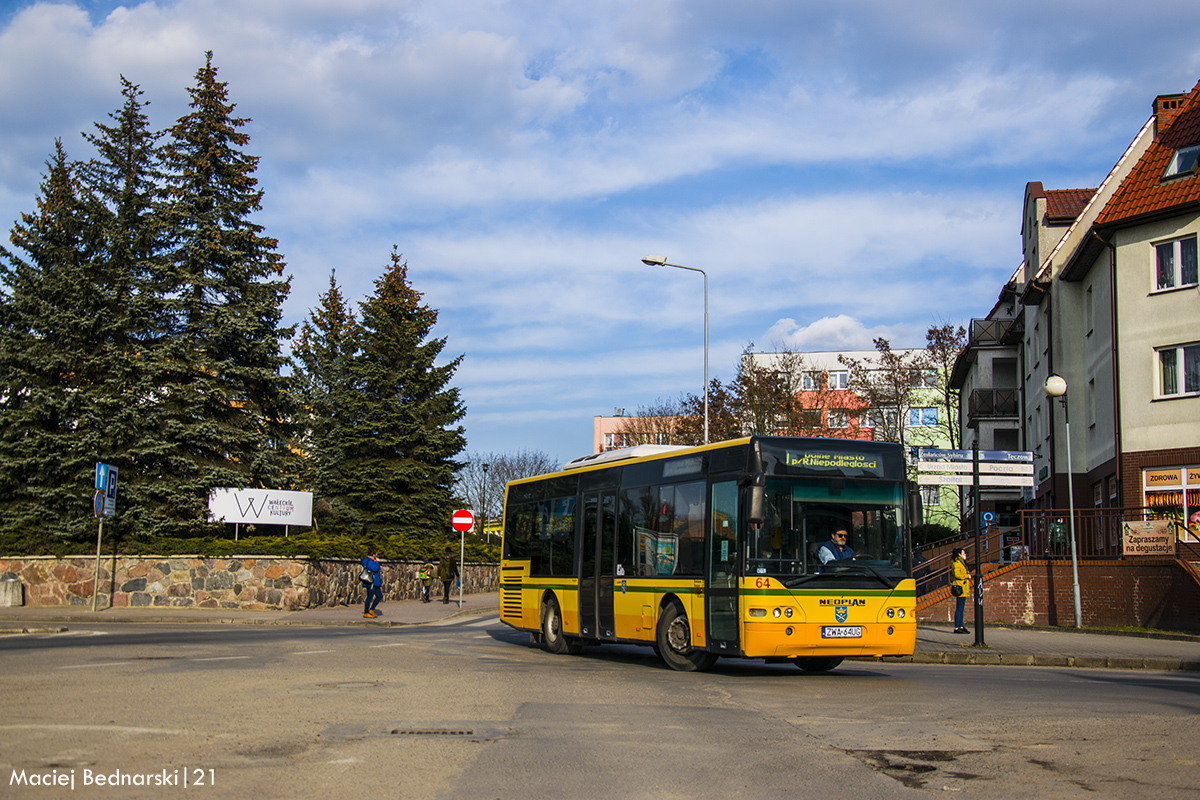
841,169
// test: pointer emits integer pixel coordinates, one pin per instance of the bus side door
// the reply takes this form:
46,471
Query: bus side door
597,618
721,594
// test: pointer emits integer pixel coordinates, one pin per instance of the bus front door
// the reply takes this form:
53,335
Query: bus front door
597,618
721,593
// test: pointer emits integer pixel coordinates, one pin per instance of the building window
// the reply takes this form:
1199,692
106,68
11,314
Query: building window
811,382
931,496
839,418
1179,370
1091,403
810,418
839,379
1175,263
1183,162
1088,311
924,379
922,417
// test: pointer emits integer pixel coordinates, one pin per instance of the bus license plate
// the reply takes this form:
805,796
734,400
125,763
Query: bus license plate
841,632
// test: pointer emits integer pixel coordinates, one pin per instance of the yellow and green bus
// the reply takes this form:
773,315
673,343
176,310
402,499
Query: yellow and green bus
724,550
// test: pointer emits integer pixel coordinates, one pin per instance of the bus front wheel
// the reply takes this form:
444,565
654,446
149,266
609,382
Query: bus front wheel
817,663
556,641
674,637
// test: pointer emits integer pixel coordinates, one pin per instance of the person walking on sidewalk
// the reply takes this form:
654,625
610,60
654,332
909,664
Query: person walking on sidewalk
426,576
960,586
447,572
370,569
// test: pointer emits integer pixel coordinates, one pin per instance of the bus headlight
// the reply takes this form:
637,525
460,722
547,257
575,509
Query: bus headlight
758,612
787,612
902,613
777,613
891,612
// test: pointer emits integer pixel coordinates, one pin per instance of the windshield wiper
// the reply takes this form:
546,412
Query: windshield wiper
844,568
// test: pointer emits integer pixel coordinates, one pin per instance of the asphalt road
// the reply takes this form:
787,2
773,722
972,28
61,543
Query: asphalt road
470,710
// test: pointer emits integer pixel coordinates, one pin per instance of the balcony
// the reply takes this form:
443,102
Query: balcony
993,403
986,332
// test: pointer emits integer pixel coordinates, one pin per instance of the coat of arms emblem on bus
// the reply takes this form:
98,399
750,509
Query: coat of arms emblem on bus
840,613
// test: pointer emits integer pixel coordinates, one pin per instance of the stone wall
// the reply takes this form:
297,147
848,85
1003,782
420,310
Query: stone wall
1144,593
249,582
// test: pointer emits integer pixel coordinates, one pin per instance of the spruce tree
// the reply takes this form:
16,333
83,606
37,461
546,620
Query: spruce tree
224,407
323,352
400,432
124,185
54,336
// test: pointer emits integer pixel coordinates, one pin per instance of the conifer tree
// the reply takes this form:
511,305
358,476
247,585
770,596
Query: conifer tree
53,337
224,408
323,352
400,432
124,184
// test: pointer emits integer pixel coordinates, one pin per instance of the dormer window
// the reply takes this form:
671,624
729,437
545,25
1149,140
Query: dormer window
1183,162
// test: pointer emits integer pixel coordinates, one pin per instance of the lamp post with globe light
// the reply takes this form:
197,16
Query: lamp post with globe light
1057,387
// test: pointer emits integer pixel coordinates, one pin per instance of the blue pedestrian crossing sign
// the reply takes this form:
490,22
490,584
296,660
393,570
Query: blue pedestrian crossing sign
105,502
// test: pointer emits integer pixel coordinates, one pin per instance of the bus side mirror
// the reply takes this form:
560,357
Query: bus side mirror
916,510
758,499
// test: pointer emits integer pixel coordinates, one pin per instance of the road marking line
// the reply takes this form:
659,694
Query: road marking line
220,658
310,652
104,728
103,664
396,644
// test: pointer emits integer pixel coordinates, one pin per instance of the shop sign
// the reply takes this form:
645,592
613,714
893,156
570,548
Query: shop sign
1153,538
1163,477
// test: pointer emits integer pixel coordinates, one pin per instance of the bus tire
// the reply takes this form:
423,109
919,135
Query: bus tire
556,641
674,638
817,663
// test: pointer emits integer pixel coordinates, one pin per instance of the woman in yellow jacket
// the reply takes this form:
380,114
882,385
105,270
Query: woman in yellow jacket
960,587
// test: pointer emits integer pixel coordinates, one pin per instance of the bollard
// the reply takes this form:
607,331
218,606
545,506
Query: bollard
12,593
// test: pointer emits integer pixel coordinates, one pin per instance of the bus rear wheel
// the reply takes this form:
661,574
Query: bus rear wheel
674,638
556,641
817,663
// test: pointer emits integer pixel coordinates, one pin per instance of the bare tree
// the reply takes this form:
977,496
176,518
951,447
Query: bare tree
944,344
480,483
885,386
657,423
782,393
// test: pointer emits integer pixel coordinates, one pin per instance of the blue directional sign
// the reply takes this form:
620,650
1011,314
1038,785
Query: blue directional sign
935,453
106,490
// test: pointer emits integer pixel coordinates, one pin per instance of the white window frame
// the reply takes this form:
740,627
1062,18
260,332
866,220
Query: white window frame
923,417
931,496
924,378
1173,249
1172,379
811,381
839,419
839,379
1183,162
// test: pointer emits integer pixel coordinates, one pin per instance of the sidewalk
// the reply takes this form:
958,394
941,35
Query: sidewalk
394,614
1041,647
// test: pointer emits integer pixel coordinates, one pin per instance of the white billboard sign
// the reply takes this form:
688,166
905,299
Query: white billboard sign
260,506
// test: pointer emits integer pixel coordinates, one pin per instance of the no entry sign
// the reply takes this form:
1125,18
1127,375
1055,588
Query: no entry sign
462,520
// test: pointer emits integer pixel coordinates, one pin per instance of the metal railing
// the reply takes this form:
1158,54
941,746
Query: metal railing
993,403
1046,534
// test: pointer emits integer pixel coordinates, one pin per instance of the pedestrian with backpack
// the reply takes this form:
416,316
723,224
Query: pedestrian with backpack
447,572
371,580
426,576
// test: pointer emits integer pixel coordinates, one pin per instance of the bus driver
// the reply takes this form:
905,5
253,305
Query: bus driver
835,549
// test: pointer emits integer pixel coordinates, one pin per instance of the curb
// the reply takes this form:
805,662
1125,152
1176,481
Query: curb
1024,660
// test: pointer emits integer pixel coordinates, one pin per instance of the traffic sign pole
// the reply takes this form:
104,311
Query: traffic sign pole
462,521
978,571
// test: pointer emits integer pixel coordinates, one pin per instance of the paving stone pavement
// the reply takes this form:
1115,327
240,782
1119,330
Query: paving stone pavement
936,644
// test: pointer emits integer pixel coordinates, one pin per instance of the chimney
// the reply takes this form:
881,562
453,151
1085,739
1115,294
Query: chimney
1166,109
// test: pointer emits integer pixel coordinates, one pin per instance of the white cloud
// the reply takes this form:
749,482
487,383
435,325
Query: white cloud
827,334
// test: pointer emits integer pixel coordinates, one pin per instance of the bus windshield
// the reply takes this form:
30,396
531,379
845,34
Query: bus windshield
797,537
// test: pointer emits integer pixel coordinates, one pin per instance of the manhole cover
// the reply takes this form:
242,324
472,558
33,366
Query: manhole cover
433,732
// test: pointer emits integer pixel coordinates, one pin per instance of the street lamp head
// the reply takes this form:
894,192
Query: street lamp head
654,261
1055,386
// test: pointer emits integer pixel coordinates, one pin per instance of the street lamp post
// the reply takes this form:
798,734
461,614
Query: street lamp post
1057,387
661,261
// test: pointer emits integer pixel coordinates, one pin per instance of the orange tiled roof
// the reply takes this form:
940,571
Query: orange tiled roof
1064,205
1144,191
